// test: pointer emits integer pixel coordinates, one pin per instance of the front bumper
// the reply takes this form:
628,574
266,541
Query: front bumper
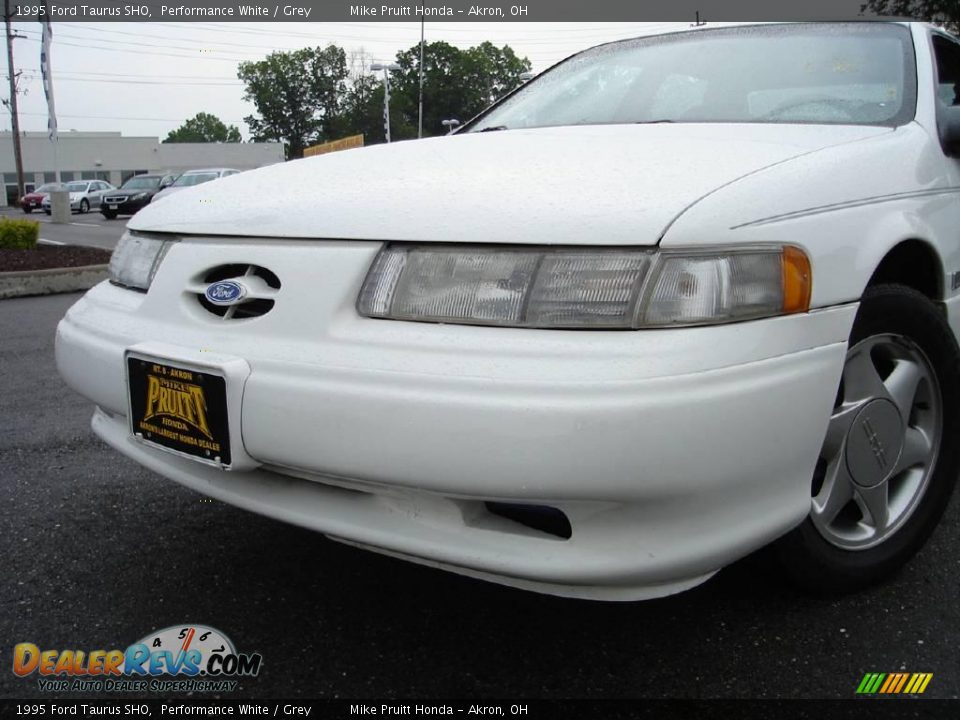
672,452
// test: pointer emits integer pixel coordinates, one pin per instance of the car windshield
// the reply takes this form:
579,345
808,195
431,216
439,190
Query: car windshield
77,186
48,188
843,73
195,179
143,182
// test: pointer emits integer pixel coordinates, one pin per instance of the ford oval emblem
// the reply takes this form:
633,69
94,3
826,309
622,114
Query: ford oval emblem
225,292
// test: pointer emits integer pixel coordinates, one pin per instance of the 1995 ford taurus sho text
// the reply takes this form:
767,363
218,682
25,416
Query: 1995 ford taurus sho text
674,300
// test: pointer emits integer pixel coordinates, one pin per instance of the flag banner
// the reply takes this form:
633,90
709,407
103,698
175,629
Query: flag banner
47,77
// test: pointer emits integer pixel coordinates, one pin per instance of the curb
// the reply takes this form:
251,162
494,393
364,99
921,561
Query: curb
22,283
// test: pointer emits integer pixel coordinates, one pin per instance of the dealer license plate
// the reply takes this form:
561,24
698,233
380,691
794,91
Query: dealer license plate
179,409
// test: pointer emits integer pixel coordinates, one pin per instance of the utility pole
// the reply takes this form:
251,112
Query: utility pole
12,103
420,113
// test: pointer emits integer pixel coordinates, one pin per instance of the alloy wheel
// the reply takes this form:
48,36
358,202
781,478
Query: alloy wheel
881,445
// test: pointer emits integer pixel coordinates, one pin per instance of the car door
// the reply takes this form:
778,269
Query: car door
95,195
946,56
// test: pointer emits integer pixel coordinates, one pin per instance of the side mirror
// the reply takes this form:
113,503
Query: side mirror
948,125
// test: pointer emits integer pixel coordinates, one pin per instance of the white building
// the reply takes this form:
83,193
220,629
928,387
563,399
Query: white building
112,157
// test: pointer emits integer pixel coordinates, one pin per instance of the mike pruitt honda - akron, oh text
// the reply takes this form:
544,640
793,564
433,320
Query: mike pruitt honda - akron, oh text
361,709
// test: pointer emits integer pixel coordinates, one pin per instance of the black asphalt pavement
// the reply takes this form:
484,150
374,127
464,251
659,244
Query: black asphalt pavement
96,552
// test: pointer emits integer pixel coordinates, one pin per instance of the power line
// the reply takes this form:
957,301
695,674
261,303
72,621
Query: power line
535,57
130,81
138,77
594,35
88,46
259,46
117,117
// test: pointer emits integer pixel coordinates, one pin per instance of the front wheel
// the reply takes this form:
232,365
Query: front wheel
27,210
109,214
889,461
84,206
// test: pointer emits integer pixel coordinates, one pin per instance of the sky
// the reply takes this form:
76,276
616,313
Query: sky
145,79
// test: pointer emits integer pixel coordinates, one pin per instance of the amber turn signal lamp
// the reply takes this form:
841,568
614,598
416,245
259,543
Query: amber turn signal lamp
797,280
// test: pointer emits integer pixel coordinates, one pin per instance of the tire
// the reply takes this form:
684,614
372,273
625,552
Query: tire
27,210
84,206
48,212
109,214
900,333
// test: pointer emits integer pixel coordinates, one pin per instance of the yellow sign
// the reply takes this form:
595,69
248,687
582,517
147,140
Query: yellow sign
354,141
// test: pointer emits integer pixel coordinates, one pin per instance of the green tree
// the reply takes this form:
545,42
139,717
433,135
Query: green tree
456,84
945,13
361,110
204,128
298,96
491,72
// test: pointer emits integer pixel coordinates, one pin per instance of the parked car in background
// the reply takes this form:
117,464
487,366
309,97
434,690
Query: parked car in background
84,195
33,200
137,192
676,299
195,177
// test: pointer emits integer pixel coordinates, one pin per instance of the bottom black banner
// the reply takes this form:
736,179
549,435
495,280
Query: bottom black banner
521,709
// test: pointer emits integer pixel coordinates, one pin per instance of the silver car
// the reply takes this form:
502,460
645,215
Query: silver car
195,177
84,194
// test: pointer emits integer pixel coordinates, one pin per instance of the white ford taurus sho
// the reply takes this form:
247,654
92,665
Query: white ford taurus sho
676,299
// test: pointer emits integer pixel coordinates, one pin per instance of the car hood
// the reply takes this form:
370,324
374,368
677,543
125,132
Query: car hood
610,184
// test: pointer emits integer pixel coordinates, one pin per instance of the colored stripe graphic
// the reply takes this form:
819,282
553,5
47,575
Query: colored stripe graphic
892,679
894,683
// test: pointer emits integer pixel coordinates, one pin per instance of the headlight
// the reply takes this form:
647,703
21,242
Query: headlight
603,288
138,196
136,260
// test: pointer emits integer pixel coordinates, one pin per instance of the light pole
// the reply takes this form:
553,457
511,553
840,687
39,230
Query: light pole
12,102
386,92
420,105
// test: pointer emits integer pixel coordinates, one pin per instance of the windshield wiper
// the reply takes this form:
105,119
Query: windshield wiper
494,128
652,122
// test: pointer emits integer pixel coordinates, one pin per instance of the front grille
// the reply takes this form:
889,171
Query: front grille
262,285
114,200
